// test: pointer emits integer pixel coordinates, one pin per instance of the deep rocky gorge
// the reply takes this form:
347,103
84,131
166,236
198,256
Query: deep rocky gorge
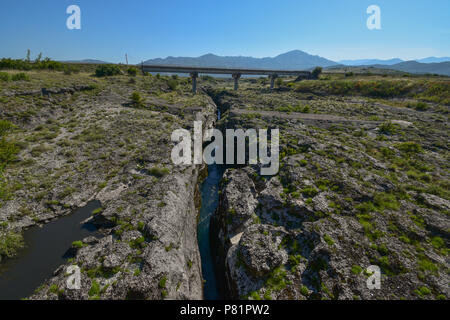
362,181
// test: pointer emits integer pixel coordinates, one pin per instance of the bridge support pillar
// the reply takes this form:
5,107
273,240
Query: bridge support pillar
272,80
236,77
194,76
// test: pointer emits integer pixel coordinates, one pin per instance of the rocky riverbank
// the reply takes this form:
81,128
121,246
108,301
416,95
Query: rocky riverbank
351,192
98,143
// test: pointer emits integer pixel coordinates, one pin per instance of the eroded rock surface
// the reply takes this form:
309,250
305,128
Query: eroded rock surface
349,194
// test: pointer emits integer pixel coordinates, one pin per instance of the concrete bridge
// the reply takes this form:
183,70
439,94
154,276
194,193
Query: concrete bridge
235,73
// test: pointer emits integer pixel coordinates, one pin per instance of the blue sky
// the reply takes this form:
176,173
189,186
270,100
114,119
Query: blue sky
334,29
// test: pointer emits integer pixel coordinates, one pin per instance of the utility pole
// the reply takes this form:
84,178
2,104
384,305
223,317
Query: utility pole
126,58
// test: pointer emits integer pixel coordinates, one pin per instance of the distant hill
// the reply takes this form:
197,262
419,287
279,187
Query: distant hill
442,68
433,59
365,62
292,60
93,61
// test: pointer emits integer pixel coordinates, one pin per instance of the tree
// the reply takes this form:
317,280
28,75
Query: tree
279,82
39,57
28,55
132,71
316,72
107,70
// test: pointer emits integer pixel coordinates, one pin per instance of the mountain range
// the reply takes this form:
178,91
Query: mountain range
295,59
300,60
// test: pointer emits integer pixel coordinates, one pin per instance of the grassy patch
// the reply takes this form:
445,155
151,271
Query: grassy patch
356,269
10,243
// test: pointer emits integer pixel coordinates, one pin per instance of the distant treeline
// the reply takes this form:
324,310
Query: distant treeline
100,70
20,64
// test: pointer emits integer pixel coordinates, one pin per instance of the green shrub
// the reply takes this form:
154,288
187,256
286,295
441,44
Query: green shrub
136,243
409,147
158,172
162,282
95,289
107,70
438,242
97,211
173,84
10,242
78,244
427,265
309,192
255,295
294,260
136,98
5,76
388,128
356,269
422,291
304,291
69,69
328,239
384,201
276,280
419,106
306,109
382,249
132,71
8,151
5,127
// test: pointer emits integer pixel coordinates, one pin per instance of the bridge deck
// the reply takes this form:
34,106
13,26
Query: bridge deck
209,70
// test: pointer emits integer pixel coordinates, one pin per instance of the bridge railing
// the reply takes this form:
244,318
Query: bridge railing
234,72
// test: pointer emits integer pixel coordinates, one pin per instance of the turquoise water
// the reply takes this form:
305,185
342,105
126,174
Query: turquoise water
210,198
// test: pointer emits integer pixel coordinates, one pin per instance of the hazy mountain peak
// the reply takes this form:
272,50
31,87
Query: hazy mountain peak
292,53
434,59
291,60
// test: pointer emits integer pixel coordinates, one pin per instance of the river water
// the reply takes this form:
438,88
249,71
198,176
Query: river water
46,249
210,198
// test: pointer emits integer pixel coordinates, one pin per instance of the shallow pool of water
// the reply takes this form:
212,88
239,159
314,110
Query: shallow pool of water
46,249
